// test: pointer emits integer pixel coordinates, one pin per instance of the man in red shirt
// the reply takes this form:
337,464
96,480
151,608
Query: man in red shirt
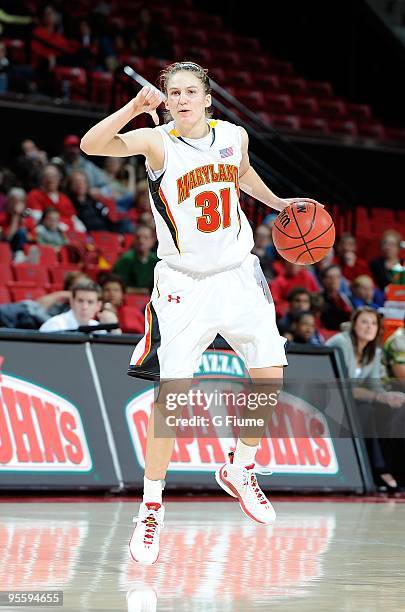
293,276
48,195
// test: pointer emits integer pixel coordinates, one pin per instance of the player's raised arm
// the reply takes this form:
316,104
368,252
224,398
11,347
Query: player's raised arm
251,183
103,138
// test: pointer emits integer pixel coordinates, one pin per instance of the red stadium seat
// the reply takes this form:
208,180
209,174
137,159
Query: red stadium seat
342,126
77,79
277,103
395,134
101,87
371,130
5,297
48,255
5,253
303,106
314,124
257,64
335,109
106,240
16,50
285,122
254,100
6,274
26,293
268,83
58,274
293,86
239,78
131,320
136,300
248,42
279,67
226,58
359,112
31,273
319,89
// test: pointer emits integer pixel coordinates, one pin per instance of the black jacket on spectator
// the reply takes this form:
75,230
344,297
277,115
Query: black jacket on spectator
382,276
334,313
93,214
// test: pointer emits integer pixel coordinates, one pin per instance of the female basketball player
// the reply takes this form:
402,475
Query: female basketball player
208,281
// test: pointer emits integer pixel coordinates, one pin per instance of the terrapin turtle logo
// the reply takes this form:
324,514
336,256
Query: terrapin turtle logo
297,440
39,430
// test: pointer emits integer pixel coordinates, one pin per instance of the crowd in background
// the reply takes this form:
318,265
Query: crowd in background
57,37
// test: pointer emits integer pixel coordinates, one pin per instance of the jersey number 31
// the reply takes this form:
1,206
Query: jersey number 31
210,219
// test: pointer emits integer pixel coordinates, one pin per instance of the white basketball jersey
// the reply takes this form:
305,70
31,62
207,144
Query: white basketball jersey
195,202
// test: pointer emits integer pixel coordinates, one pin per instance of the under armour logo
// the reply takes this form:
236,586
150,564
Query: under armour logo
173,298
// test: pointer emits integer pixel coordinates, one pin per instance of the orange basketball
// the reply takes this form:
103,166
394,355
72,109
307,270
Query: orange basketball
303,233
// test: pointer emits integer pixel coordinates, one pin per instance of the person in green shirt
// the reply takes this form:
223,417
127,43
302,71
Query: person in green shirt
136,266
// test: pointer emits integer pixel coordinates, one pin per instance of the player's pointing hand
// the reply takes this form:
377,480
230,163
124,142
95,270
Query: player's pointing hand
147,101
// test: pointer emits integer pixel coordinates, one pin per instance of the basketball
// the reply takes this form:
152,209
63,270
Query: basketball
303,233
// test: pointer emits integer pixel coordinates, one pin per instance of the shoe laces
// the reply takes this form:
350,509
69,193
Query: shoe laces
151,525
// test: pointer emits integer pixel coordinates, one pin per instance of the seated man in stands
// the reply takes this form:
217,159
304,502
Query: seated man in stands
303,330
85,304
363,293
74,160
337,307
346,257
94,213
136,266
299,300
293,276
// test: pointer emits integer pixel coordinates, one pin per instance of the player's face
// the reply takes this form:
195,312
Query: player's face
186,99
366,326
85,306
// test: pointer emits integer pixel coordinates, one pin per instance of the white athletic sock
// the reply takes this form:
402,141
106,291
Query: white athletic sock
152,490
244,454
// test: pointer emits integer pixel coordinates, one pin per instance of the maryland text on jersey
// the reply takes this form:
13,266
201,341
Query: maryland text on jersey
226,173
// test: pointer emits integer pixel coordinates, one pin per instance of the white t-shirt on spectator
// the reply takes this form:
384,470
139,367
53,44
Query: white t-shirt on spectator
63,322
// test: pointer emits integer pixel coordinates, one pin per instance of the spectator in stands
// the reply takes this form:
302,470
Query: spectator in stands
303,329
264,249
390,255
136,266
30,164
94,213
346,257
49,46
151,39
142,201
113,291
362,357
337,307
17,224
85,304
394,354
48,231
50,196
363,293
292,276
74,160
58,301
121,182
87,53
299,300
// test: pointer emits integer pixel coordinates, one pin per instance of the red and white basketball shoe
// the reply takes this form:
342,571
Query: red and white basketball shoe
240,482
144,543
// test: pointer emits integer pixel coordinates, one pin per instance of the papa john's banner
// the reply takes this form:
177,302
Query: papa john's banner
297,446
51,429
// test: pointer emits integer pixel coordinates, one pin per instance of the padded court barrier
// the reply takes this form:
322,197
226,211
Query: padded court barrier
71,419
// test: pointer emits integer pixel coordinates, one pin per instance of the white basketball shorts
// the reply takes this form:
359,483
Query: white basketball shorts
188,310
